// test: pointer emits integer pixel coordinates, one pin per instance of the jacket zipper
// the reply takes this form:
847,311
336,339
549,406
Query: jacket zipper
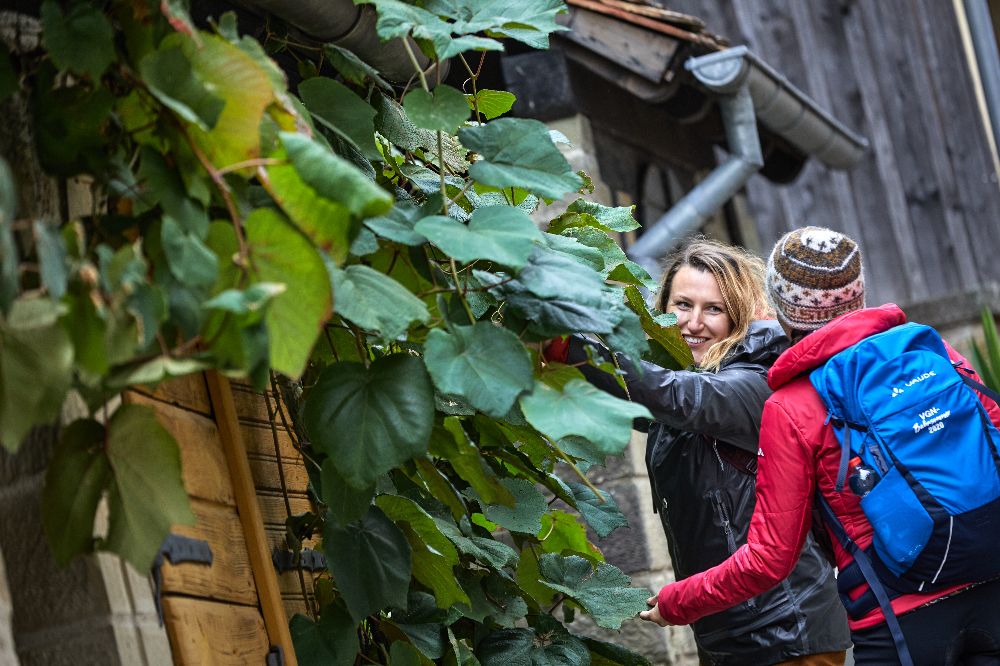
730,537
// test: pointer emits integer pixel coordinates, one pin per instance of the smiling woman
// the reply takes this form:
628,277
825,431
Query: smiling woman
701,456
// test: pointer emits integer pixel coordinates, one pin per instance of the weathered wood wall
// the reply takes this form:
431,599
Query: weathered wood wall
924,203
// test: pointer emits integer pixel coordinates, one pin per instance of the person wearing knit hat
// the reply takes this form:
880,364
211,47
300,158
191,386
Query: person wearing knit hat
813,276
815,282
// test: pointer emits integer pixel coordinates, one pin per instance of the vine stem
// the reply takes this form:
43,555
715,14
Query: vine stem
262,161
227,196
458,290
416,65
583,477
444,187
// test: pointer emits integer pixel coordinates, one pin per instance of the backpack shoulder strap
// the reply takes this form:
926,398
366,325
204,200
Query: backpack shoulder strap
982,388
871,578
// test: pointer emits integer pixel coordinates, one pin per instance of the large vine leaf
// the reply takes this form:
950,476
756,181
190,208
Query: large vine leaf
601,513
518,152
146,493
529,22
526,514
294,318
501,233
171,78
80,40
398,19
321,191
369,420
227,72
525,647
330,641
370,561
584,410
432,553
583,213
74,483
662,330
605,593
491,103
344,502
36,365
485,364
375,302
338,108
442,110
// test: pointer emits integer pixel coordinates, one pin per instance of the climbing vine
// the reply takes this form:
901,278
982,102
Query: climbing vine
365,247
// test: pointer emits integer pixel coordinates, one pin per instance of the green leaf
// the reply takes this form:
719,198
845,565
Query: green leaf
613,218
336,107
517,152
370,420
375,302
81,41
294,319
609,654
344,502
352,68
488,551
526,513
486,365
583,410
563,533
398,19
36,366
189,259
433,554
443,110
75,480
146,494
397,225
606,594
451,443
370,562
503,234
423,623
529,22
170,77
602,514
632,273
52,258
164,185
331,641
250,300
661,331
154,371
404,654
525,647
334,178
491,103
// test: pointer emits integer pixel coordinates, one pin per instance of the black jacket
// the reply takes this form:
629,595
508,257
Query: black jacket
701,455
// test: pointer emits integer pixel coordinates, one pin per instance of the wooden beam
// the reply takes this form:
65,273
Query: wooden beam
271,605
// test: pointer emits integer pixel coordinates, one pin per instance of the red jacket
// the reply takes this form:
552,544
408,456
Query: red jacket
797,452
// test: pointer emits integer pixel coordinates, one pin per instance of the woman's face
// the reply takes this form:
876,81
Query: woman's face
701,313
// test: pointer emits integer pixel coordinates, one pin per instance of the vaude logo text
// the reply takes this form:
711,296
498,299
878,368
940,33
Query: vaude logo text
921,378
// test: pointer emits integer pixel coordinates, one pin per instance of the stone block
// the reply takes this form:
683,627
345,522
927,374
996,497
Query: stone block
7,654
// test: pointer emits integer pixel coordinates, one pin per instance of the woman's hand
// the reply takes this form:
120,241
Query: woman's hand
653,614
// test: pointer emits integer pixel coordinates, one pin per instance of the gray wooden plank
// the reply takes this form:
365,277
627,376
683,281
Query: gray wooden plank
964,140
911,280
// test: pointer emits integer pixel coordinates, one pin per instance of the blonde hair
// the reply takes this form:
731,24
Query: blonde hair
740,276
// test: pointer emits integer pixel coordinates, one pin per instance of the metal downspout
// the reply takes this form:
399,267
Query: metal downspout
749,91
987,58
698,205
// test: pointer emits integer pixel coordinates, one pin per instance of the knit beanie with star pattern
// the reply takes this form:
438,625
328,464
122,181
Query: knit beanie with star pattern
814,275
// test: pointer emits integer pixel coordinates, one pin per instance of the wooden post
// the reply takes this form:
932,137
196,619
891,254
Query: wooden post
271,605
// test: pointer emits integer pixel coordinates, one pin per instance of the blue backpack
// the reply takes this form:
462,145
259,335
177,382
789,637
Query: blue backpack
908,418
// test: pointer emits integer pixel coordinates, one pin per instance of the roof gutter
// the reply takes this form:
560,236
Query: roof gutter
351,27
749,91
